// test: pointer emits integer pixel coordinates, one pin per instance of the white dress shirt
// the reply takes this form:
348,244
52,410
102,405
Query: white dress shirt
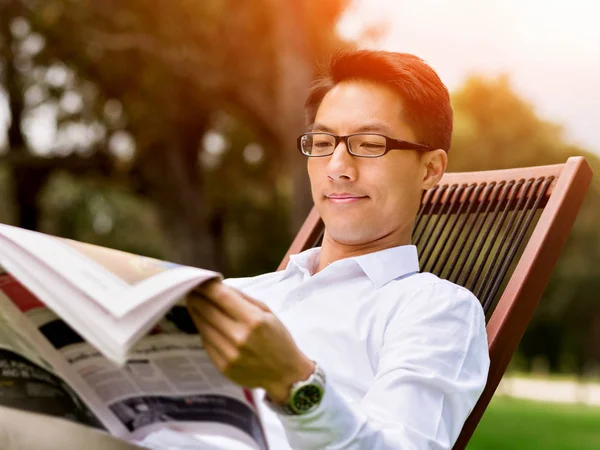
405,353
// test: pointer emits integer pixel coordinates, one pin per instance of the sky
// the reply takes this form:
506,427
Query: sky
550,49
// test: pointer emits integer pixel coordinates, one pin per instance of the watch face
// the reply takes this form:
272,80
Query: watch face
307,397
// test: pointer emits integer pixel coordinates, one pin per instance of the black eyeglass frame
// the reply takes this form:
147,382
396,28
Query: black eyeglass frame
390,144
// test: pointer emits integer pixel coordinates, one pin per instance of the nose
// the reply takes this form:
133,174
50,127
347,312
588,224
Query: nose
341,164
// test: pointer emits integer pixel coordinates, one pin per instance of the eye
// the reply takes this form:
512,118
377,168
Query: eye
368,143
372,145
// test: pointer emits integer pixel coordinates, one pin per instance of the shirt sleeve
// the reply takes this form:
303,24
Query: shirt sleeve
432,369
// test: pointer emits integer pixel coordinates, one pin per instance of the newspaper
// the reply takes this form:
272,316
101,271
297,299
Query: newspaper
125,294
97,336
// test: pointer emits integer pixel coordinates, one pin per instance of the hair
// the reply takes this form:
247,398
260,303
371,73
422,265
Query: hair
425,98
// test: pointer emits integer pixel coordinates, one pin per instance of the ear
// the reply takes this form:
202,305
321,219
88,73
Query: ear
434,165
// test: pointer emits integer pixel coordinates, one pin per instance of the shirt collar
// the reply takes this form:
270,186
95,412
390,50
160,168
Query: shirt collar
381,267
386,265
306,262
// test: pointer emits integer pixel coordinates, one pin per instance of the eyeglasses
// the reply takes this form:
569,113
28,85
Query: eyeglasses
365,145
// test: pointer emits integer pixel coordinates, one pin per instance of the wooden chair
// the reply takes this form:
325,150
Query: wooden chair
498,233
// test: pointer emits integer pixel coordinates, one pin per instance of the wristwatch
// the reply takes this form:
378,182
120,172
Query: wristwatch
305,396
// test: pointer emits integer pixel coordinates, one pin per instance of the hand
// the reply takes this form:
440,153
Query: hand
246,341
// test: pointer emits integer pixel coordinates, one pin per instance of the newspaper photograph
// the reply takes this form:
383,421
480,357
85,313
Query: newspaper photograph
28,381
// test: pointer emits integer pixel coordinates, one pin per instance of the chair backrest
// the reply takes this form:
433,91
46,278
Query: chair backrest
499,233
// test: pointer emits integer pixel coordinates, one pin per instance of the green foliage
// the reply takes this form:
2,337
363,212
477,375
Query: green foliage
102,215
246,193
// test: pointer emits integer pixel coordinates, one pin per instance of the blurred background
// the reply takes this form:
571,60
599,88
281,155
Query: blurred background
167,128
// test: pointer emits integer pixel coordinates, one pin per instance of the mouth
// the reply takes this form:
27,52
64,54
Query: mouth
344,198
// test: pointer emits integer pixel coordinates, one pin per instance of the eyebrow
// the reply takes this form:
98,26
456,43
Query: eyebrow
319,127
372,127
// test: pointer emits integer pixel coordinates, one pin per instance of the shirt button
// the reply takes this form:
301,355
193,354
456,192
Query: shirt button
299,295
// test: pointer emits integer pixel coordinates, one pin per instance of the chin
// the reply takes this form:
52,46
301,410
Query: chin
349,235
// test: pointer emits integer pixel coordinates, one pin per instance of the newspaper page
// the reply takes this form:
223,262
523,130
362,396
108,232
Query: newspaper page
29,381
125,294
168,382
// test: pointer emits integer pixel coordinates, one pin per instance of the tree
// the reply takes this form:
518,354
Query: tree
163,74
496,129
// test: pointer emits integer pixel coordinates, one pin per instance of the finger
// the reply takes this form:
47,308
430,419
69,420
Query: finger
255,302
209,287
208,312
230,301
212,338
215,356
214,289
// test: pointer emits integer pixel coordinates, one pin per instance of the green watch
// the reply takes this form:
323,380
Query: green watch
305,396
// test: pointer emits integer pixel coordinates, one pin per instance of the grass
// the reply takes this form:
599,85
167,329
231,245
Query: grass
512,424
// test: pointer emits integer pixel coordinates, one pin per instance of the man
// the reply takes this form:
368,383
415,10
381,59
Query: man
353,347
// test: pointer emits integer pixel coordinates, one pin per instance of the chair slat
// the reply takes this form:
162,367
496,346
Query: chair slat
490,221
440,225
502,250
463,219
515,244
506,213
445,249
426,198
490,192
437,197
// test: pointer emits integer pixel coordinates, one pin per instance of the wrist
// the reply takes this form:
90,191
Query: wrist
304,396
279,392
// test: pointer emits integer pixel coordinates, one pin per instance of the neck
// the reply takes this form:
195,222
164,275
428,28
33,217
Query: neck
333,250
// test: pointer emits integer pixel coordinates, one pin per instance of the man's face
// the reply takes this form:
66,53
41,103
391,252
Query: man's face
366,201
